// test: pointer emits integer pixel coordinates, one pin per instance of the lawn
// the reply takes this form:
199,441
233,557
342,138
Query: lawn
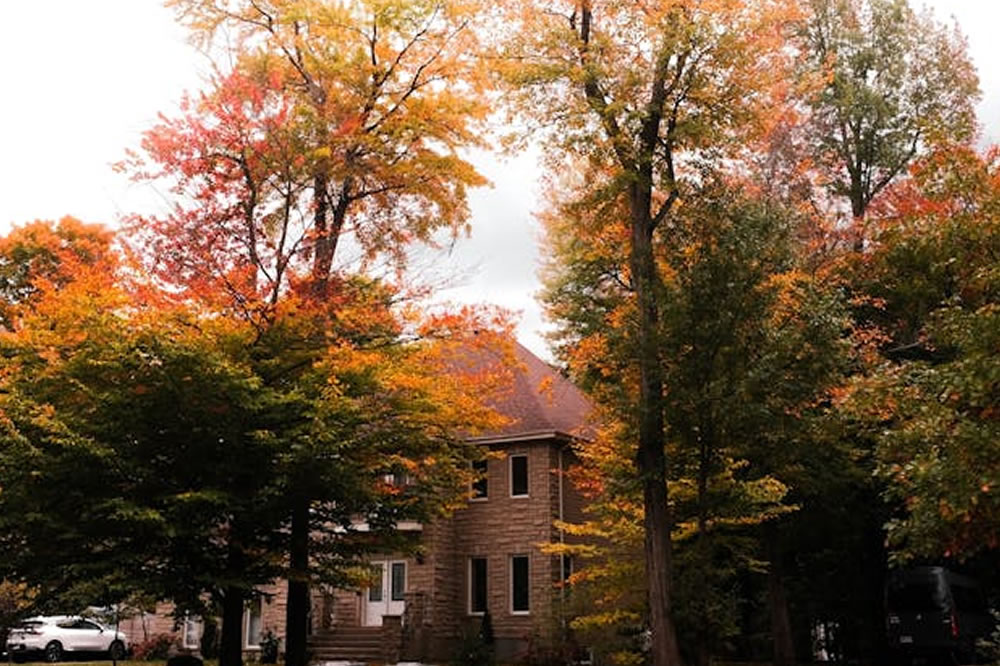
107,662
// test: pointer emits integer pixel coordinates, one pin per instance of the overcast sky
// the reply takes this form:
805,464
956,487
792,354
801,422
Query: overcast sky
82,80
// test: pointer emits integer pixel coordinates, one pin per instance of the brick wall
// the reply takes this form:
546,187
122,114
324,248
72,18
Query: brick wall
273,607
502,526
495,528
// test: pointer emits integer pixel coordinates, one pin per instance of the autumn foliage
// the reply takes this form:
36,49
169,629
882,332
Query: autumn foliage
771,259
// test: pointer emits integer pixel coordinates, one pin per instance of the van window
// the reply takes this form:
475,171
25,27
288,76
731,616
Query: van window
916,597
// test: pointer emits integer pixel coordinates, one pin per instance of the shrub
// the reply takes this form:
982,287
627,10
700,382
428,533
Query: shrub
157,648
476,647
269,648
210,639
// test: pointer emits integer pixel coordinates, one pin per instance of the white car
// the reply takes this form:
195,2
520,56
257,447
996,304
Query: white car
53,636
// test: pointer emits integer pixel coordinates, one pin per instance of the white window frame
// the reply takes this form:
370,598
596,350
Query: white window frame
510,586
259,601
192,622
472,581
510,475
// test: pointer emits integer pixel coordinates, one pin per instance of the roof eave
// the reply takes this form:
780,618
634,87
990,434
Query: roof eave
532,435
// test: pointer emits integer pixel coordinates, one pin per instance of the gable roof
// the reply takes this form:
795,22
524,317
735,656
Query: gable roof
541,403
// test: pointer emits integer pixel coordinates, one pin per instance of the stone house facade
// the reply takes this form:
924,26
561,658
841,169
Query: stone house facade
487,557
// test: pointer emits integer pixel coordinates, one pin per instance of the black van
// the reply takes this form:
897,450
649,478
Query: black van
932,612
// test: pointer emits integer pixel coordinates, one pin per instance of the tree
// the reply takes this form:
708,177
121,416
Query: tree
43,255
373,101
897,83
931,403
643,90
147,475
15,601
750,347
387,93
169,466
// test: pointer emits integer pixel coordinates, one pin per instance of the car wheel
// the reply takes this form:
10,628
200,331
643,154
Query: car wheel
53,651
116,651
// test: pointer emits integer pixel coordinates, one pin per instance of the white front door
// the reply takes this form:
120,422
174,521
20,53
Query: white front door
385,597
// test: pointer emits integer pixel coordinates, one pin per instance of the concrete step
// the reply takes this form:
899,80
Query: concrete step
347,644
347,654
333,638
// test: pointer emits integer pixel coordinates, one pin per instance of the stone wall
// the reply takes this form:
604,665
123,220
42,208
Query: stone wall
501,526
437,586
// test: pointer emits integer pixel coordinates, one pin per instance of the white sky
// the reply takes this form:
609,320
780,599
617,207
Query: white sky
82,79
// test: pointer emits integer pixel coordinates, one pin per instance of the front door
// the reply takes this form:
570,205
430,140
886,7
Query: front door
385,597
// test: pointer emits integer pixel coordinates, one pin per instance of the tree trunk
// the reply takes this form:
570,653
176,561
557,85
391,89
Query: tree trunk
858,209
326,230
297,610
322,252
651,458
703,649
781,626
231,641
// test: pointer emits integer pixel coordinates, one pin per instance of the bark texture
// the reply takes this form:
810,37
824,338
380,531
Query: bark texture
651,457
297,610
781,625
231,645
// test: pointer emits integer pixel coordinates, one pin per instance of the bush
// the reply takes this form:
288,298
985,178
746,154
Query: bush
269,648
210,639
476,647
555,650
157,648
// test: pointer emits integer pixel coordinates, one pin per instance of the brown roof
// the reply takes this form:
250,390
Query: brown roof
541,402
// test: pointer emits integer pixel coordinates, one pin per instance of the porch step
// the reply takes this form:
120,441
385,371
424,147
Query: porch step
348,654
357,644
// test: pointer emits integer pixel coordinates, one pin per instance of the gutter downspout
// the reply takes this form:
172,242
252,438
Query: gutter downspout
562,542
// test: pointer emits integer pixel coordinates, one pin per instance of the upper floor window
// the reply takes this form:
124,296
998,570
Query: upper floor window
519,476
481,486
398,478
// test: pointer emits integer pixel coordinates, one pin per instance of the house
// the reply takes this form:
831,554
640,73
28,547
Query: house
487,557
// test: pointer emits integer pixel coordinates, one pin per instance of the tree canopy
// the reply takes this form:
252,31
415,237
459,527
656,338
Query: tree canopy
897,82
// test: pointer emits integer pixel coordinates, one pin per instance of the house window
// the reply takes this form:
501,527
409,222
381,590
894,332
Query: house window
519,585
481,486
519,476
398,581
567,568
192,632
255,626
397,479
477,585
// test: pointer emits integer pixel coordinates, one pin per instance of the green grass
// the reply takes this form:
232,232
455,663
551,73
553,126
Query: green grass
107,662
